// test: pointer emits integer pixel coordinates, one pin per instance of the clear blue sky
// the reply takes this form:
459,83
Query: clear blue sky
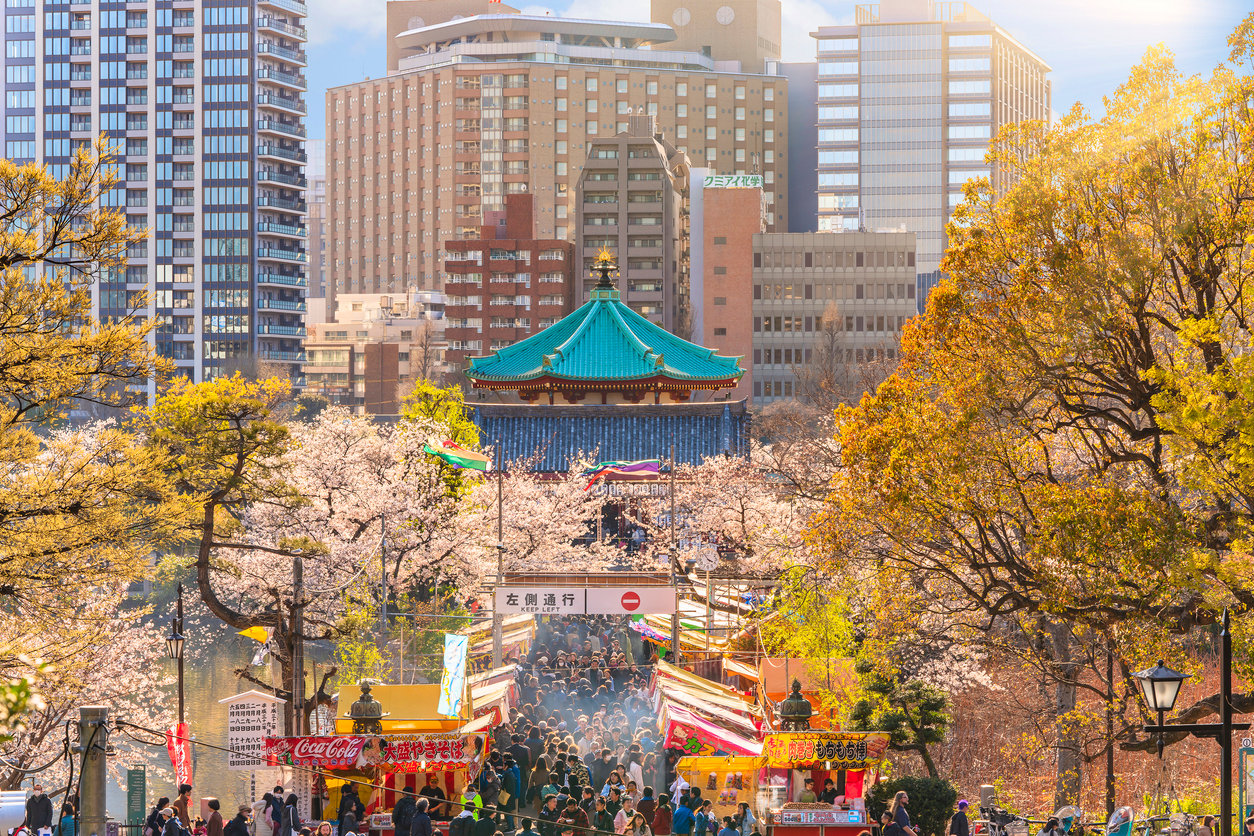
1090,44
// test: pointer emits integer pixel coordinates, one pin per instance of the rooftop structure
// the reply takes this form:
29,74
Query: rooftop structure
605,347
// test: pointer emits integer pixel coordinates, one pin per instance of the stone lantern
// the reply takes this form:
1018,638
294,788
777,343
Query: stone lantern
366,713
794,712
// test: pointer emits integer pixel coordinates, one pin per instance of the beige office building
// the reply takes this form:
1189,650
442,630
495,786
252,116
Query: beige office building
632,199
747,31
827,305
497,103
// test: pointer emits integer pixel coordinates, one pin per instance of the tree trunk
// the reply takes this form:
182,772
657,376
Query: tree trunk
1068,774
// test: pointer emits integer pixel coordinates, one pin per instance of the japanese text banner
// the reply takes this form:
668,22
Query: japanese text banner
844,750
400,752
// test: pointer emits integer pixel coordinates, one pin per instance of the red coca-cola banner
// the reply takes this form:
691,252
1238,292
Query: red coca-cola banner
178,744
400,752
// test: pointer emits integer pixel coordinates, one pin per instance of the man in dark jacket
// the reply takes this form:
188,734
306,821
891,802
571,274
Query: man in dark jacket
599,770
403,812
420,823
602,821
959,825
521,754
238,826
548,817
38,810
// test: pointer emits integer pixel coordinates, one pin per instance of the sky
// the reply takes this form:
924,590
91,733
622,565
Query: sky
1090,44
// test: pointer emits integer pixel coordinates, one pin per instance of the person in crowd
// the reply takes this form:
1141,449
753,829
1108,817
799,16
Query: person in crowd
350,802
539,777
170,824
889,826
747,821
471,801
728,828
1208,826
623,817
420,821
214,824
683,820
436,808
807,795
960,826
65,827
487,825
1051,828
276,809
38,811
602,820
574,816
489,786
154,824
637,826
662,817
647,805
549,814
898,810
238,825
291,823
829,794
181,805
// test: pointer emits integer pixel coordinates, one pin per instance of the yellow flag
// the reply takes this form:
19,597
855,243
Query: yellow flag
257,634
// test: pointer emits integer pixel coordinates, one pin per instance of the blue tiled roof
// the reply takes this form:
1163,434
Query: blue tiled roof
604,340
559,434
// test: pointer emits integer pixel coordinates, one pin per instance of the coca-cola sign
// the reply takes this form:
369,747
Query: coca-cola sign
315,751
400,752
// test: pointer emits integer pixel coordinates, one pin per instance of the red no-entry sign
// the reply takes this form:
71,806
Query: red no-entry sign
630,601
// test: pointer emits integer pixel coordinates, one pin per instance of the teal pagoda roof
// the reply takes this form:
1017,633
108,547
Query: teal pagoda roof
605,345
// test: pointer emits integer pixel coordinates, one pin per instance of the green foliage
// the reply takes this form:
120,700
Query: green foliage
446,407
18,698
309,407
931,804
357,655
914,714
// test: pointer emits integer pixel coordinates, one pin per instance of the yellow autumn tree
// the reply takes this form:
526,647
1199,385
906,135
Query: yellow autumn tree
1025,479
78,507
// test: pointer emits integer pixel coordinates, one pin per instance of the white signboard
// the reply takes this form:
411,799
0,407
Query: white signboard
597,600
251,717
733,181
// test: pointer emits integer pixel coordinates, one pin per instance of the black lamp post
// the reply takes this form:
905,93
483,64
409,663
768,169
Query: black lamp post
1160,686
174,646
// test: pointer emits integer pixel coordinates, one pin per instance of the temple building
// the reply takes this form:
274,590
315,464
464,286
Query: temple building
606,381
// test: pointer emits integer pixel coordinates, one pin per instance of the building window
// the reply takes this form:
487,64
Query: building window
720,332
720,239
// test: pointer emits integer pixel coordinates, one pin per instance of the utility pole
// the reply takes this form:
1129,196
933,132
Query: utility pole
674,560
298,652
178,630
383,578
498,620
1110,729
93,737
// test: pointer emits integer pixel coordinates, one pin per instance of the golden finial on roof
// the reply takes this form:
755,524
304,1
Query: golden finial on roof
604,268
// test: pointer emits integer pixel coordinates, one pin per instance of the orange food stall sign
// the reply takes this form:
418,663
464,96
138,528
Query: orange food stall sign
843,750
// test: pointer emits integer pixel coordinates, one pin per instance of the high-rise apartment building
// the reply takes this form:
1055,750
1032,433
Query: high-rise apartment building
491,104
746,31
826,309
632,200
506,284
203,102
908,98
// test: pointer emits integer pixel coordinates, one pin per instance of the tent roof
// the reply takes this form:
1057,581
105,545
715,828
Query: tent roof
408,708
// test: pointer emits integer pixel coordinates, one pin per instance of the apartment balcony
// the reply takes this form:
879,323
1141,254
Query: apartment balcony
285,53
275,127
281,330
282,255
292,81
280,305
281,280
286,204
281,230
281,356
278,152
289,6
268,176
274,24
281,103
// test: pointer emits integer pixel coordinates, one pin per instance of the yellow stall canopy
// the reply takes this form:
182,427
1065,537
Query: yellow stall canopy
724,781
407,708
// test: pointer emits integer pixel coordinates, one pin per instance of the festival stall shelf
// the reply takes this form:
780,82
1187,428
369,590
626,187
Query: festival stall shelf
790,757
724,781
410,742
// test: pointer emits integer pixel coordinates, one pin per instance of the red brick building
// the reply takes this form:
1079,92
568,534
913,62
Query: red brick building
505,285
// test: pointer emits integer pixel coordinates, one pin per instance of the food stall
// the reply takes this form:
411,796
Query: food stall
407,743
725,781
791,757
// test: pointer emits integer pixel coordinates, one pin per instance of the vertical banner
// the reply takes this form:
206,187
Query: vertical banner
453,679
136,795
180,749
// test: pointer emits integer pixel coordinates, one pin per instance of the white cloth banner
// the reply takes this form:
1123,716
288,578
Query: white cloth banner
453,679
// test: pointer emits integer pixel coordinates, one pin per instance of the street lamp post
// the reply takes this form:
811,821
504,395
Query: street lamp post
1160,686
174,646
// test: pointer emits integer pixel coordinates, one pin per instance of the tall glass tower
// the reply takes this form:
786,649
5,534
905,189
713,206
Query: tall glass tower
202,102
908,98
